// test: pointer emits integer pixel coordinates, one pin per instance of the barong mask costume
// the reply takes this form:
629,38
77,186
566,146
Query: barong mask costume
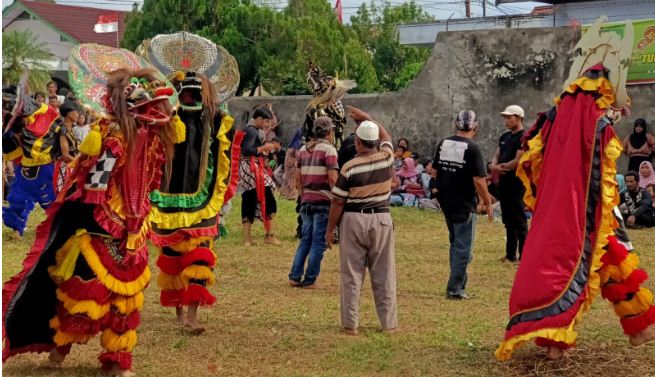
185,211
577,246
88,266
328,92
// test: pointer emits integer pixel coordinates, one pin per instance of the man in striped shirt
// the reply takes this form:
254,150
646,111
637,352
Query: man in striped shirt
316,174
361,204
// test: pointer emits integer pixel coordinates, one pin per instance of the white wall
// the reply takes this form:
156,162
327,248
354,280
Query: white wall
47,36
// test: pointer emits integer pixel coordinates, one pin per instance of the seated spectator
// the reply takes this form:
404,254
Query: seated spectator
409,187
430,201
636,204
646,174
426,175
404,143
399,157
651,191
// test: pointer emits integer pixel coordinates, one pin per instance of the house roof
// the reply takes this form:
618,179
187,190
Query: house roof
71,21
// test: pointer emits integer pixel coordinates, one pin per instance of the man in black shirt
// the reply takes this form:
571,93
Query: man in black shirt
636,204
510,188
460,174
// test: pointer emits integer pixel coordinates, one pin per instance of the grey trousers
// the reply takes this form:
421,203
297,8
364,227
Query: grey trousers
367,240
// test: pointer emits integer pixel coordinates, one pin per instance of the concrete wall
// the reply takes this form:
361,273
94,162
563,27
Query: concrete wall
455,78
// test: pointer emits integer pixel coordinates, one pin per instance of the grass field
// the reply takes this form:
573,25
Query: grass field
262,327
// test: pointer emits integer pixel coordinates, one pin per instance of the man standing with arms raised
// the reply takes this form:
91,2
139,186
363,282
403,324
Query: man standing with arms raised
510,188
460,174
360,204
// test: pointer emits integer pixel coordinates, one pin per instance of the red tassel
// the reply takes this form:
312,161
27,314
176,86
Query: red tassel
80,290
200,254
109,359
121,323
170,298
616,252
197,294
635,324
618,291
76,323
544,342
169,265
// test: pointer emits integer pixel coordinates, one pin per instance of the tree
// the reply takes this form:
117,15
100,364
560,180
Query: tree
21,51
376,29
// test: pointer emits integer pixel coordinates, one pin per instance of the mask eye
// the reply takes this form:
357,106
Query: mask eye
143,81
134,80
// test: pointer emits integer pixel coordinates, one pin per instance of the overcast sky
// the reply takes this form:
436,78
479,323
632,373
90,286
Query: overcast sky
441,9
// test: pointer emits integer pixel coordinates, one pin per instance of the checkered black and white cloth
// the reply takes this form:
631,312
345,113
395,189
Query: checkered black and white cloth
98,177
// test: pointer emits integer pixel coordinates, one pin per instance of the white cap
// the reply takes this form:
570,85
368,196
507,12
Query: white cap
514,110
368,130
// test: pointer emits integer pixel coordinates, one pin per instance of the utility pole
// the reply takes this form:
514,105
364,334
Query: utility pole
468,8
484,8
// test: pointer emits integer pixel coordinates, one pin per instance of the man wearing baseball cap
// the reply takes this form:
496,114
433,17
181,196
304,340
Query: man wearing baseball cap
360,203
510,189
461,173
316,174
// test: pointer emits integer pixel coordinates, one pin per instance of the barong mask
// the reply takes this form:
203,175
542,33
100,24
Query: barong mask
611,51
145,98
190,90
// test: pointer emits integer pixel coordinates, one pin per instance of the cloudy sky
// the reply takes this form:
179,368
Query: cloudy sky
441,9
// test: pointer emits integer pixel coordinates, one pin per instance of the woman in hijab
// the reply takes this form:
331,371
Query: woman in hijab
409,187
646,174
639,145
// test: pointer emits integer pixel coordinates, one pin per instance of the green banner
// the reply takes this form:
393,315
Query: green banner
642,66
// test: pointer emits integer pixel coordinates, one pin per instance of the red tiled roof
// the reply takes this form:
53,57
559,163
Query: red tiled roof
545,9
78,22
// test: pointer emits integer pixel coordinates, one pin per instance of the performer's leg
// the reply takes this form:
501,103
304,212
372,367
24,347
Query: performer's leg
119,334
621,282
248,209
197,263
271,210
21,202
170,282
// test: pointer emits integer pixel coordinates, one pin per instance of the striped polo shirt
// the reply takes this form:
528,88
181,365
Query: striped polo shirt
365,181
314,160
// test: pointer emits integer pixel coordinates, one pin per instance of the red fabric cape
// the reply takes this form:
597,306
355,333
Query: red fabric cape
554,244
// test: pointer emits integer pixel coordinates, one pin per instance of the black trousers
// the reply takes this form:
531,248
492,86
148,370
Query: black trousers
516,223
249,205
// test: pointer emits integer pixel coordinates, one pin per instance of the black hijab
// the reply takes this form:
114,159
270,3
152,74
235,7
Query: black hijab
638,139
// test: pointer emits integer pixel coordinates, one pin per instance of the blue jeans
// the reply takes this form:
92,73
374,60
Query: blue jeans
312,243
461,236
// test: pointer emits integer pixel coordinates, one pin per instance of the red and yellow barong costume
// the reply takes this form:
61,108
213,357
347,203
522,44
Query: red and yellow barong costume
577,246
88,266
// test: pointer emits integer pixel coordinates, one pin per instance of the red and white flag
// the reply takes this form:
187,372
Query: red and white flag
107,23
339,11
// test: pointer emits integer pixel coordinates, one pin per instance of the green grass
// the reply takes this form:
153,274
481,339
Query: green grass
262,327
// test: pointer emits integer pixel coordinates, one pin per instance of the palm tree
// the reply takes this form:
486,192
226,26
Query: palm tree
21,51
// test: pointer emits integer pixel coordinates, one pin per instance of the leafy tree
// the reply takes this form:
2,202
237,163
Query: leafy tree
22,50
376,29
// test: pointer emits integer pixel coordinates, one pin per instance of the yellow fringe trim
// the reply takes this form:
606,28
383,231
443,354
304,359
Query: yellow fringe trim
115,285
116,204
16,153
535,156
609,197
198,272
639,303
192,243
620,272
32,117
89,308
63,338
113,342
177,220
602,85
126,305
170,282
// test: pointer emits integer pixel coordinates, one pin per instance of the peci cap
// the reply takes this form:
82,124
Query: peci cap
323,123
514,110
368,130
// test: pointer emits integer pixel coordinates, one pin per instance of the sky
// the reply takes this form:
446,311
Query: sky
441,9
